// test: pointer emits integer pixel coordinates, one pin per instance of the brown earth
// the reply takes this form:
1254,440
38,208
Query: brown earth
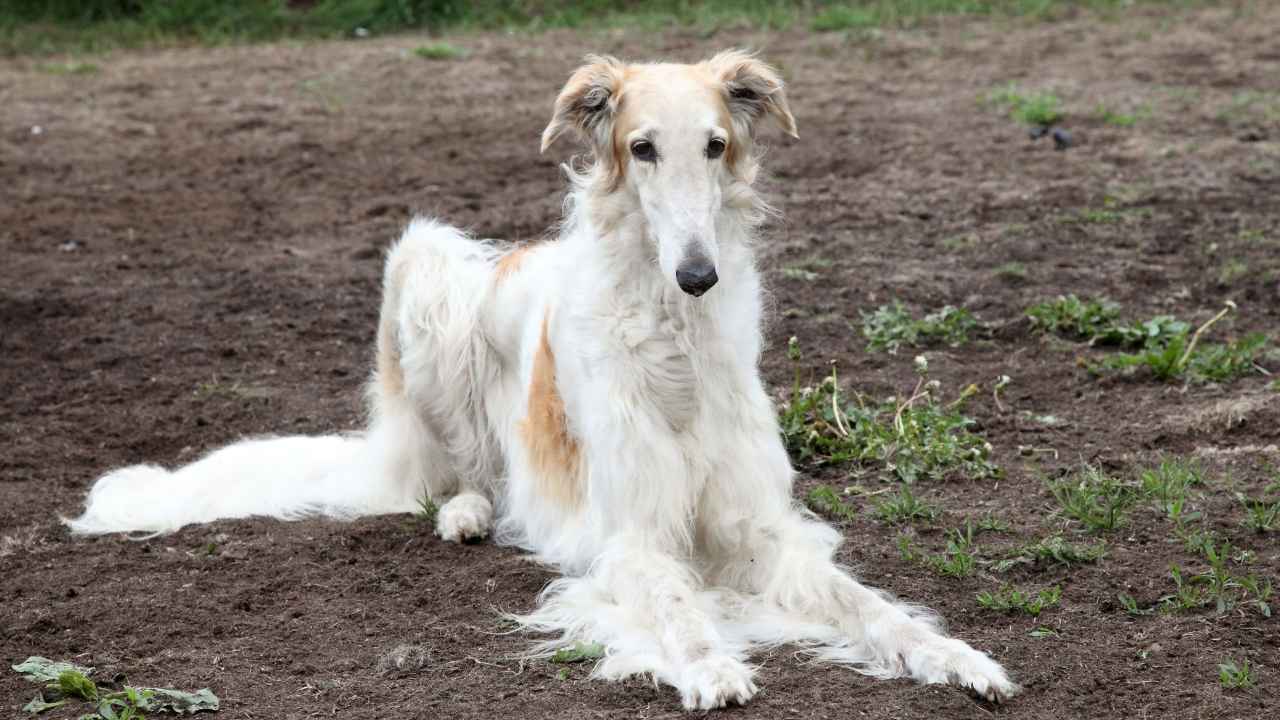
191,249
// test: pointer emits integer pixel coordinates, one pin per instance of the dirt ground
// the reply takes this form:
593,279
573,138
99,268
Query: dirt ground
190,246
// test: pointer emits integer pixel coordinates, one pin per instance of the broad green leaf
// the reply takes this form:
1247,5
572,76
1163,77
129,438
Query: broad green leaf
177,701
38,669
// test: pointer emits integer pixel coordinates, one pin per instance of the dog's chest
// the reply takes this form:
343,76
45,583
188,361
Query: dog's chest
658,355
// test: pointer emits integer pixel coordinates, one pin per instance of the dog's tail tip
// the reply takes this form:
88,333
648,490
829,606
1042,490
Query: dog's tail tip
125,500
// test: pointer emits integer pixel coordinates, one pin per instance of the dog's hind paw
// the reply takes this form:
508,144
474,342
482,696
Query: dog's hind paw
716,681
464,518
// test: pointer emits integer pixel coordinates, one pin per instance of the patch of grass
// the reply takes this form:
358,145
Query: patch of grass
1070,316
1236,676
1122,119
1166,347
1167,485
1261,515
1131,606
1096,499
1010,599
1054,549
74,67
1012,271
1179,357
1231,271
52,26
892,326
991,523
826,501
845,17
1040,108
439,51
958,560
1218,585
427,510
916,438
904,507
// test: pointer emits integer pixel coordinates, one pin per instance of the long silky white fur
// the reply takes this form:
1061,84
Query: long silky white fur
686,552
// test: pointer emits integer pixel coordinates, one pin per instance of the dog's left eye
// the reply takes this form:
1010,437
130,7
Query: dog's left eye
715,148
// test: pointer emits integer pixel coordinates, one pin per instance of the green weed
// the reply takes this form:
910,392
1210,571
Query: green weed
825,500
1012,270
74,67
1122,119
1232,270
1054,549
1096,499
1261,516
844,17
439,51
427,510
1179,357
1030,108
1236,676
1070,316
1167,485
916,438
904,507
67,683
1131,606
958,560
892,326
1010,599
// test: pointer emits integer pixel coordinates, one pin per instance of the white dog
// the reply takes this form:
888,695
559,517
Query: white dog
601,391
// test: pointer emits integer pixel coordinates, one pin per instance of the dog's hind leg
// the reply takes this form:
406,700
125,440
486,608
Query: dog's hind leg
433,368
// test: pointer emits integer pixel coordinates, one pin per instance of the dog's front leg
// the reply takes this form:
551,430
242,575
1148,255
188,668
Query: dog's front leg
647,608
636,591
752,538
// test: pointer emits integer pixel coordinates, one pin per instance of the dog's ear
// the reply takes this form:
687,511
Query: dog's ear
588,102
752,89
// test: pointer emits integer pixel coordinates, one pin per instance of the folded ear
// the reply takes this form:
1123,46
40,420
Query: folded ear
752,89
588,102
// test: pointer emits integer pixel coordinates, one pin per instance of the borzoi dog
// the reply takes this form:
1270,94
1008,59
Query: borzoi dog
596,400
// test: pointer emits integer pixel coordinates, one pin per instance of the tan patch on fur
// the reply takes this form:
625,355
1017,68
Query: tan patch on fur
510,263
390,374
553,452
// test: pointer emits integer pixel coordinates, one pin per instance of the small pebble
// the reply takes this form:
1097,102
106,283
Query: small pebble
37,130
1061,139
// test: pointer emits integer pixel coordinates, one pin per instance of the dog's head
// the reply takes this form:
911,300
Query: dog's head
673,137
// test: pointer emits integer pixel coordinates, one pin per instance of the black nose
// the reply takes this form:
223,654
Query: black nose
696,277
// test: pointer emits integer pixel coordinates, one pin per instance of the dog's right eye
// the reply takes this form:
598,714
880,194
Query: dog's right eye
644,150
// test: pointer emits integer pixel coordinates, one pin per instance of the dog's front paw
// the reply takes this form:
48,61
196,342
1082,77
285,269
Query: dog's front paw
716,681
974,671
464,518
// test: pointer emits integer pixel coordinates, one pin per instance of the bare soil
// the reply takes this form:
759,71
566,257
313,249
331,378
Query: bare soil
190,250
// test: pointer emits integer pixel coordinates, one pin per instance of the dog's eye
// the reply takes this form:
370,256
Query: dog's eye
715,148
644,150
